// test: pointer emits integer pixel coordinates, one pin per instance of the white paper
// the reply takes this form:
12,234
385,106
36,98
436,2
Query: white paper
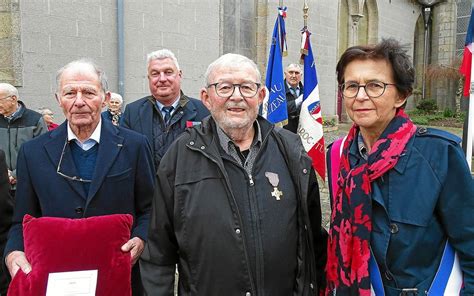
74,283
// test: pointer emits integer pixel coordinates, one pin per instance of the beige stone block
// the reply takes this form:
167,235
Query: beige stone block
5,25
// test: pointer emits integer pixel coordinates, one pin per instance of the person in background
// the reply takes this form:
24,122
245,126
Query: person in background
294,96
404,196
167,111
48,117
86,167
237,202
114,109
6,212
18,124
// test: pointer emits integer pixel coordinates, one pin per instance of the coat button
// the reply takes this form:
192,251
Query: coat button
203,147
248,294
422,130
191,143
388,276
79,210
237,231
393,228
305,171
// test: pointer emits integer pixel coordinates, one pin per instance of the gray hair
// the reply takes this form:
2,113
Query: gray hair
88,62
116,96
231,60
44,111
294,66
9,89
161,55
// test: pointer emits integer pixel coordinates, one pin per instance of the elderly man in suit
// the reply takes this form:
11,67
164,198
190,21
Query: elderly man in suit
294,95
85,167
166,113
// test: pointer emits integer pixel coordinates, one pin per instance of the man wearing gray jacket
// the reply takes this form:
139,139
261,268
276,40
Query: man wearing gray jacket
18,124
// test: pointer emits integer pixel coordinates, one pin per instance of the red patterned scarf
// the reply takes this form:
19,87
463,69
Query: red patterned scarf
349,234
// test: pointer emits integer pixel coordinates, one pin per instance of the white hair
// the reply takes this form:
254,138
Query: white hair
294,66
77,63
231,60
44,111
117,97
9,89
161,55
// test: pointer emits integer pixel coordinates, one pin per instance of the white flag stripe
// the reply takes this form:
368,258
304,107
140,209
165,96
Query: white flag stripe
455,281
310,130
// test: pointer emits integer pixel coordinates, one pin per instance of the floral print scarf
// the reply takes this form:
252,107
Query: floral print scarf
115,116
349,234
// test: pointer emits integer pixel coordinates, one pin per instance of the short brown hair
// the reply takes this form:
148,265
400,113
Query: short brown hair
389,50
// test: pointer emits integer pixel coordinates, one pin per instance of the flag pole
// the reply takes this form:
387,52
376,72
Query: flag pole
470,120
305,14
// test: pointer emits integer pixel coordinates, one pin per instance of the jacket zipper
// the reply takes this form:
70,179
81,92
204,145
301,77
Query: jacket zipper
260,276
228,186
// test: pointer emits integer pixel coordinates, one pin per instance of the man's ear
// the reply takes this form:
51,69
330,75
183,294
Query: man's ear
106,100
205,98
57,98
261,94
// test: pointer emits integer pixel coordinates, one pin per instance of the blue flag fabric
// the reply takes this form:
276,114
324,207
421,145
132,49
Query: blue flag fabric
274,104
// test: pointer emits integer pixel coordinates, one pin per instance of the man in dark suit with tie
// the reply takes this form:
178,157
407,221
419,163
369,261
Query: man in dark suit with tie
6,211
294,95
167,112
85,167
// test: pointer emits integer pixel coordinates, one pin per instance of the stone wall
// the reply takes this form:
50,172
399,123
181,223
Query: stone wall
37,37
10,43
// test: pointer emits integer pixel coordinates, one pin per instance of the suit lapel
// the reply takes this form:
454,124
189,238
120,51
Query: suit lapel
109,148
145,118
54,148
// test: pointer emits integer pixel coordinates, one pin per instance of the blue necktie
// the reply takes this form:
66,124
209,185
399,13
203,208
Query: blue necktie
167,111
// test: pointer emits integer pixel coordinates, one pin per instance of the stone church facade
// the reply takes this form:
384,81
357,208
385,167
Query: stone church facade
37,37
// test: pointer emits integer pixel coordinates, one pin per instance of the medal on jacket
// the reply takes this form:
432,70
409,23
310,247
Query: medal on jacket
274,180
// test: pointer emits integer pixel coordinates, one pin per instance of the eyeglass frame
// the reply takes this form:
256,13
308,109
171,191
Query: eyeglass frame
58,169
233,91
6,97
341,87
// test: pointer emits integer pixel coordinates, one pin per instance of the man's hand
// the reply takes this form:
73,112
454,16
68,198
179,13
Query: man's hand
135,246
17,260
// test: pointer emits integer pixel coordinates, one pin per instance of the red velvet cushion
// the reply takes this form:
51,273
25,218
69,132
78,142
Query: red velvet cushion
60,245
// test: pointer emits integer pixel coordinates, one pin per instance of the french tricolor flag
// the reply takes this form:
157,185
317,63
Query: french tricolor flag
467,69
310,128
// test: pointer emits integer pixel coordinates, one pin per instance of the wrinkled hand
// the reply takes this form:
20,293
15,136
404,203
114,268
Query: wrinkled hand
17,260
135,246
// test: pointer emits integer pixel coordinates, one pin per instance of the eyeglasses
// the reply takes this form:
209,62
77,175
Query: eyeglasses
72,178
373,89
5,98
226,90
